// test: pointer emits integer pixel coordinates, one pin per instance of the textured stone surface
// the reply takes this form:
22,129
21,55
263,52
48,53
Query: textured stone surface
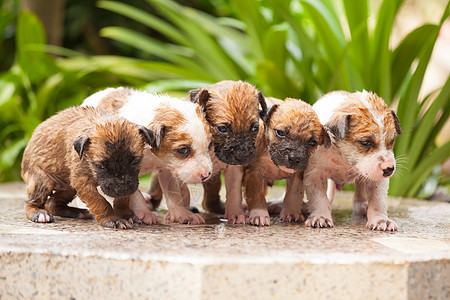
79,258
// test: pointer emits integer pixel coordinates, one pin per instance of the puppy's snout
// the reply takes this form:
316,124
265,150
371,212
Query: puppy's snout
294,158
388,172
205,176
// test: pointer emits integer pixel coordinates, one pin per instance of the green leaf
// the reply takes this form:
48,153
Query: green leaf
11,153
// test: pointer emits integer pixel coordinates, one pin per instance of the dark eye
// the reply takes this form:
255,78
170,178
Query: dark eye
312,143
98,166
366,143
221,128
255,128
136,161
184,151
391,142
280,133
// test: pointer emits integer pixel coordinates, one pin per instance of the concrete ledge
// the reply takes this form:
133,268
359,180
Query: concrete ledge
78,259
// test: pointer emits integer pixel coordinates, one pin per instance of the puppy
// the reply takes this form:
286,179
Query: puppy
362,130
233,110
292,132
180,153
87,152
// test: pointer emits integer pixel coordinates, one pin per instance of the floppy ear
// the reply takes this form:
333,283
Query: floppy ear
147,134
158,135
396,123
81,144
200,96
270,113
262,102
338,125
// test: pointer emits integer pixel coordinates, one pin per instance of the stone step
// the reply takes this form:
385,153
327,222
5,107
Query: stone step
79,259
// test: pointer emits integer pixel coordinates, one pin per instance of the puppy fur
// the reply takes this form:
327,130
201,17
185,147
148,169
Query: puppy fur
180,153
233,110
87,152
292,132
362,130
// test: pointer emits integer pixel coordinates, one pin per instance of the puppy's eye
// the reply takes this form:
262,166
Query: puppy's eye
391,143
184,151
280,133
255,128
366,143
98,166
221,128
312,143
136,161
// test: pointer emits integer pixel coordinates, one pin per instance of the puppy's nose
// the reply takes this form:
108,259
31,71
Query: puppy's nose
294,158
388,171
205,176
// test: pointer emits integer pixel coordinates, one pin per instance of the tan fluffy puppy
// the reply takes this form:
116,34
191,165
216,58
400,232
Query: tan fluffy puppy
180,153
233,110
362,130
87,152
292,132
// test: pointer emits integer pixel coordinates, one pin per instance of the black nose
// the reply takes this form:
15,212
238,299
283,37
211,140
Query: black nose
388,171
294,158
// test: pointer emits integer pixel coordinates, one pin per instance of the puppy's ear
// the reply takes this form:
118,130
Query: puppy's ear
396,123
200,96
81,144
158,136
326,138
148,135
262,102
339,125
269,114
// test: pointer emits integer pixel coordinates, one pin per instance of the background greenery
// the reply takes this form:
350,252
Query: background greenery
288,48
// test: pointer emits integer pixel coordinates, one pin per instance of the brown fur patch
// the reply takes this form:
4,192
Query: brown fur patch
115,100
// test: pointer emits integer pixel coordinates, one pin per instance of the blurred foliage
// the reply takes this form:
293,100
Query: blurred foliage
288,48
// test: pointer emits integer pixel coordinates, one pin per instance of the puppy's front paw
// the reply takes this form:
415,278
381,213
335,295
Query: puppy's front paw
115,223
382,224
42,216
275,207
236,216
183,216
85,214
317,221
259,217
146,216
291,216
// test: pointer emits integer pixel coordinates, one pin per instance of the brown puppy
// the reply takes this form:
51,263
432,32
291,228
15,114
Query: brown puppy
232,109
87,152
292,132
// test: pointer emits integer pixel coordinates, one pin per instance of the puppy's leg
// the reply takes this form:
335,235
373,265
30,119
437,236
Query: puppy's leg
57,205
293,200
377,209
233,184
39,187
360,199
255,193
140,209
211,198
318,203
177,199
155,192
331,190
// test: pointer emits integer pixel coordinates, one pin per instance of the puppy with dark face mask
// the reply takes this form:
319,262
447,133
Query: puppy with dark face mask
85,152
363,131
233,110
292,132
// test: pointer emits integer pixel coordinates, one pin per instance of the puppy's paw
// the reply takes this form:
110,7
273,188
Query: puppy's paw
146,217
317,221
291,216
115,223
42,216
235,216
382,224
85,214
183,216
275,207
259,217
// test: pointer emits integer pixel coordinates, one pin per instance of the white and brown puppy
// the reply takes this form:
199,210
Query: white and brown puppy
88,152
233,110
180,153
362,130
292,132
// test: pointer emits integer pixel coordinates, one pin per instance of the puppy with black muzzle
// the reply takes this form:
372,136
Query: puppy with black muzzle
292,132
180,153
233,110
89,153
363,131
